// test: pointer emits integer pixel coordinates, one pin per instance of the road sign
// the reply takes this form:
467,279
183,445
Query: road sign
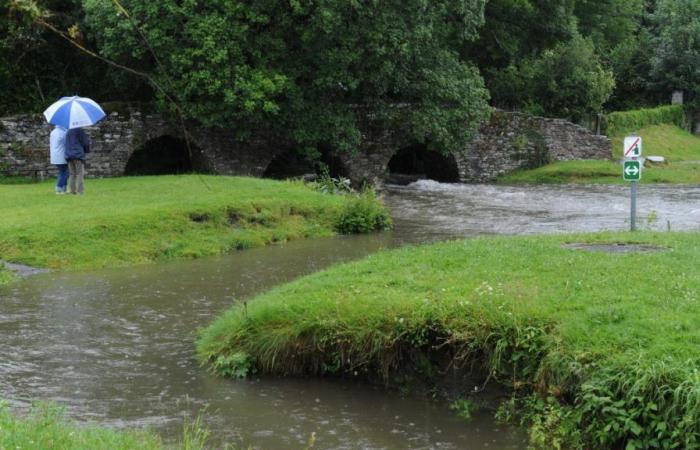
632,170
632,147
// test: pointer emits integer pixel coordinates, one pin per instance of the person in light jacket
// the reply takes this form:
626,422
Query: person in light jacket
57,147
77,146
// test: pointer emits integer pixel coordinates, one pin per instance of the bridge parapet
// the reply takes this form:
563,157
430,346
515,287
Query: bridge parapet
508,141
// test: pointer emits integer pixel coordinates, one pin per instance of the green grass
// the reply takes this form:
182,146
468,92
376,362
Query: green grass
679,147
16,180
5,275
135,220
600,350
45,427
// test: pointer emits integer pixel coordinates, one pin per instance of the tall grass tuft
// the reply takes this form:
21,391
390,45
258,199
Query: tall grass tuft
45,427
362,214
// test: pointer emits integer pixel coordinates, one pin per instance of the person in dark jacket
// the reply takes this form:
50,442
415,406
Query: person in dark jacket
77,146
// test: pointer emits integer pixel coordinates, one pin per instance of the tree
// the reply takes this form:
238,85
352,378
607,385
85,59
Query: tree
565,81
676,60
518,29
517,33
37,66
308,72
609,23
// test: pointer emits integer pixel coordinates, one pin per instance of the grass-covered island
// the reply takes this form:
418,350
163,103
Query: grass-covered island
599,349
123,221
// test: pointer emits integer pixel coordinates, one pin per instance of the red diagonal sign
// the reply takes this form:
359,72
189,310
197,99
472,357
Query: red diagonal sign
633,146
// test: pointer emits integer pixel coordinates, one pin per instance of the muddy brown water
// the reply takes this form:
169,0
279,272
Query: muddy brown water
115,347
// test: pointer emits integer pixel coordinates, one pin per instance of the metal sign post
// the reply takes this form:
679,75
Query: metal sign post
633,208
632,171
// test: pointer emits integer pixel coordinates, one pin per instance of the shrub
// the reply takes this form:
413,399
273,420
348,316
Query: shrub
464,408
566,81
363,214
329,185
236,365
621,122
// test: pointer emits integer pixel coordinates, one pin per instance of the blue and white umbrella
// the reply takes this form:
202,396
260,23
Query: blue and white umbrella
74,112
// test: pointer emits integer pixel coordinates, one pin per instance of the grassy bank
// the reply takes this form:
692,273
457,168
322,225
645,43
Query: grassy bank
600,350
136,220
680,148
46,428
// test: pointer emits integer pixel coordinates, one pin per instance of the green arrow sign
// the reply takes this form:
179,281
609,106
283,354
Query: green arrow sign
632,171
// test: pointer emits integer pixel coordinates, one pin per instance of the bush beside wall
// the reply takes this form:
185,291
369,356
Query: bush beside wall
621,122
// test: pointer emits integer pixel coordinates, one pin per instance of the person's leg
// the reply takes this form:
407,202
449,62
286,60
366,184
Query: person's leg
71,176
80,174
62,178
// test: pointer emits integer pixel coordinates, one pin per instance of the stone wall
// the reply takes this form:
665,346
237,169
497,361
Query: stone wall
24,142
510,141
24,146
506,142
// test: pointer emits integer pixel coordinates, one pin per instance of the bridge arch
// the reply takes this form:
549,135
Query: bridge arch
417,161
291,163
163,155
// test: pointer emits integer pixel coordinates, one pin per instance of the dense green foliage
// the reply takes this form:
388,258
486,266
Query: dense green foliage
312,73
143,219
621,122
677,47
363,214
593,362
308,72
565,81
529,50
37,66
680,148
45,427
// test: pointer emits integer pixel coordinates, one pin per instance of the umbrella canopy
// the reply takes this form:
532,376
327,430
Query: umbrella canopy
74,112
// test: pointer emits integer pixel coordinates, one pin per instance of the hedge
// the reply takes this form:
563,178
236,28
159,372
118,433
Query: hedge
621,122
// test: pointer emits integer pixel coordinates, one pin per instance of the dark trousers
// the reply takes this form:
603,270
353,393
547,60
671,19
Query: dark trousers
62,178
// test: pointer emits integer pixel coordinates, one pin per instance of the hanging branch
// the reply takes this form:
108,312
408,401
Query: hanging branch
144,39
40,17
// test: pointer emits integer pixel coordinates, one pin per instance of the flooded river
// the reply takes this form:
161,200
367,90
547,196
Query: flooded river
116,346
428,211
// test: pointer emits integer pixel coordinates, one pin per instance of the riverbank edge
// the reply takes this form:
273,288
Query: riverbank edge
265,213
566,399
19,270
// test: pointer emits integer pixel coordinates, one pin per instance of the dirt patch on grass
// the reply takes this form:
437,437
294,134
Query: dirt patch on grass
615,247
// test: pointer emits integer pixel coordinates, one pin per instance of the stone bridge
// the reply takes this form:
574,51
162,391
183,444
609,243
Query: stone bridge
130,142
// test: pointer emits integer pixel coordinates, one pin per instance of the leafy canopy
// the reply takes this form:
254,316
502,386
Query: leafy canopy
676,60
310,72
565,81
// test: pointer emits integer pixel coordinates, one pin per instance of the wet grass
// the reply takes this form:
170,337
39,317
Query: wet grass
45,427
133,220
600,350
680,148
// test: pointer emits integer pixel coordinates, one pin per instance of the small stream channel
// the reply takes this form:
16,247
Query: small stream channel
116,346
